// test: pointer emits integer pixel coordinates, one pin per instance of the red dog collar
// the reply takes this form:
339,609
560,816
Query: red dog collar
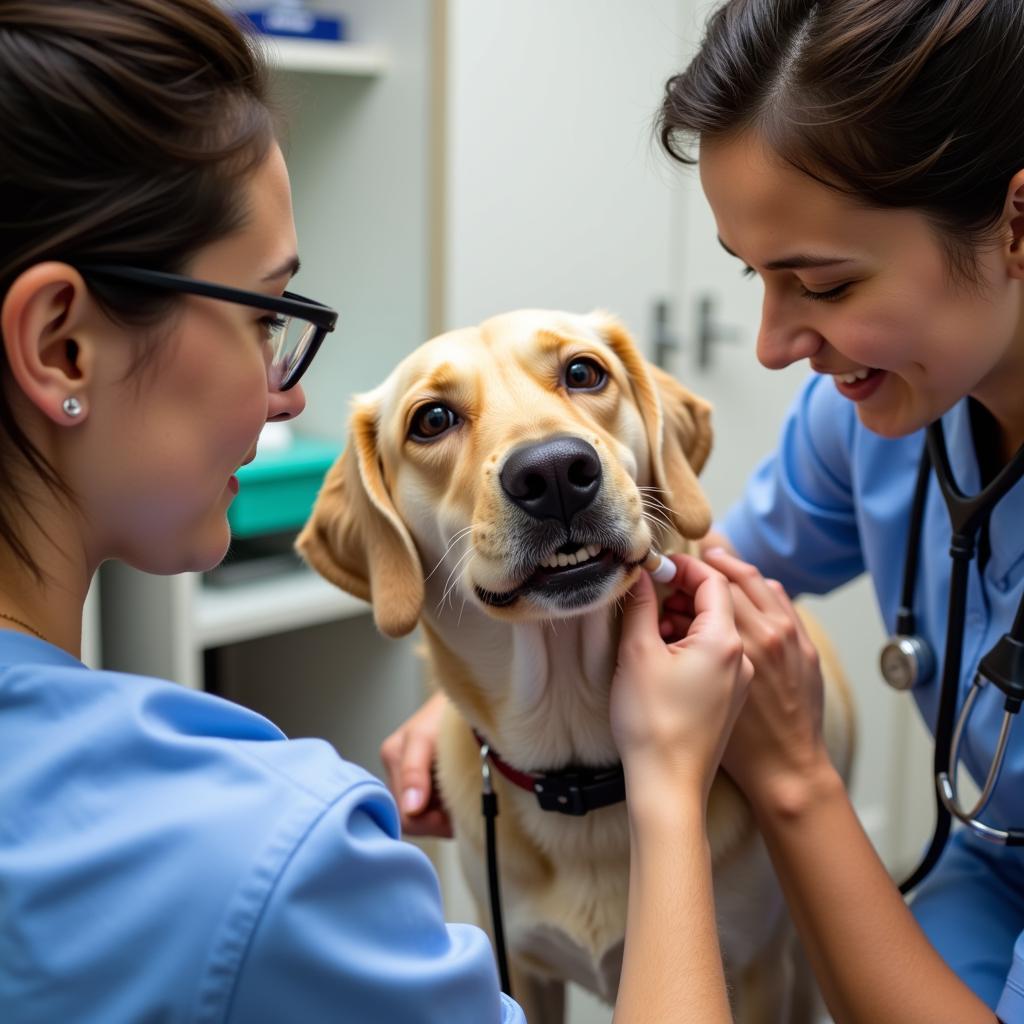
574,790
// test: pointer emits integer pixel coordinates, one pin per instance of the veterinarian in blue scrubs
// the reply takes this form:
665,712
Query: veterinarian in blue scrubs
866,160
859,163
166,855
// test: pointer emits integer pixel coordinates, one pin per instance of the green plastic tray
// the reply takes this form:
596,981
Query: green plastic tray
277,489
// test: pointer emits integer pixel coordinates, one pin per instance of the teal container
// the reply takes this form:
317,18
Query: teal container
277,489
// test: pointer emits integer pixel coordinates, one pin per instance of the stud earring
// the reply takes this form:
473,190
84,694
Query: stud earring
72,406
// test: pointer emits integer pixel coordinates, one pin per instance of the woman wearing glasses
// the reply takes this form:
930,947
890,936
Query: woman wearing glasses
165,855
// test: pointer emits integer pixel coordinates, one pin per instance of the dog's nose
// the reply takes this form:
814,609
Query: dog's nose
553,479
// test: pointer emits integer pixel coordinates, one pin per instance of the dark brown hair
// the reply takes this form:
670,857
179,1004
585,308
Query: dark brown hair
896,103
126,127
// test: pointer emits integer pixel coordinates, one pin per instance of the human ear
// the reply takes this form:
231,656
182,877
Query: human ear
44,323
1013,215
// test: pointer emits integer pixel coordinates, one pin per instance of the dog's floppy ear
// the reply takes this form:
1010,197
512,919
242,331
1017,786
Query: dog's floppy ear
355,537
678,425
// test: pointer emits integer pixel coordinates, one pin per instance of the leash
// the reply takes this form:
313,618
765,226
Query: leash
575,790
490,809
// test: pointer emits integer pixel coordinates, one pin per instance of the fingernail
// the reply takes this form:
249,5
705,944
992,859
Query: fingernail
714,552
411,799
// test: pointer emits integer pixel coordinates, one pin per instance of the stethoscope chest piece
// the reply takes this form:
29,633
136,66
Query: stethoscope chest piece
906,661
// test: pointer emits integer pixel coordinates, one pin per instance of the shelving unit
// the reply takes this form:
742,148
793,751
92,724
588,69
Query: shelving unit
227,615
165,624
314,56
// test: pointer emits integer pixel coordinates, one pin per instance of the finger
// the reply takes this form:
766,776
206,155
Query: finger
714,539
640,615
391,758
787,605
746,577
748,616
433,819
746,671
712,600
415,784
690,574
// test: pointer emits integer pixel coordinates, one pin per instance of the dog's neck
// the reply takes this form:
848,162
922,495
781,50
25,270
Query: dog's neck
538,691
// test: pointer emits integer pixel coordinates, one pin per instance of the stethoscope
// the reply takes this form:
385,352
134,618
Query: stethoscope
907,659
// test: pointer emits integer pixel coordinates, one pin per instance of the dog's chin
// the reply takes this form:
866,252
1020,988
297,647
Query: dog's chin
564,591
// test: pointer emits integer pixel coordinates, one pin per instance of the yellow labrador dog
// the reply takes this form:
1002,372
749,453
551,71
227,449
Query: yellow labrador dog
501,489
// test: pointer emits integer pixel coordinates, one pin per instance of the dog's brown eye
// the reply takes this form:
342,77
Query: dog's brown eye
430,421
584,375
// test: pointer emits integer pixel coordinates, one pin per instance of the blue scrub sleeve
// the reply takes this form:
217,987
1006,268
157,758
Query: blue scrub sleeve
797,519
1010,1009
972,911
353,931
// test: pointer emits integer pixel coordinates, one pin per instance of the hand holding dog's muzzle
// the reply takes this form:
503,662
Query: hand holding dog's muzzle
673,705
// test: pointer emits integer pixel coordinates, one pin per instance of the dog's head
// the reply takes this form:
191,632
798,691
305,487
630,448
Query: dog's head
527,465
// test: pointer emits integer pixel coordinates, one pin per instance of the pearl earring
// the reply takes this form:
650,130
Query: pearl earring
72,406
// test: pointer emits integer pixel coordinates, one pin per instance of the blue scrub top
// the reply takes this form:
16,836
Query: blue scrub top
169,856
834,501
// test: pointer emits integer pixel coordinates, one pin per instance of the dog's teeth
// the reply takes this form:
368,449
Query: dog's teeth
557,560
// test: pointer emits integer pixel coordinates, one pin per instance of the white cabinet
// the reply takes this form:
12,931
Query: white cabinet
162,625
91,650
326,58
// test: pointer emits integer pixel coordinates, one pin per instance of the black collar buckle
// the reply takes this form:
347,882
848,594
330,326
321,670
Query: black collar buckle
578,792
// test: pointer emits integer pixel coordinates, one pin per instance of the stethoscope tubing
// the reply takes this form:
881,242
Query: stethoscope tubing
967,516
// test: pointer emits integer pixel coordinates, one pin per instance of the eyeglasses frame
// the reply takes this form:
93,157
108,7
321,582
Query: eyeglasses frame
322,317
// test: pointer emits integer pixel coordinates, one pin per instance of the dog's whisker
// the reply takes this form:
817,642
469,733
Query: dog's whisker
653,502
450,585
464,532
653,518
650,499
451,591
652,506
659,513
656,522
453,580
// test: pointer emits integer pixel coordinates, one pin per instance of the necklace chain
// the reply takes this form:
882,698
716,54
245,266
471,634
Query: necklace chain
31,629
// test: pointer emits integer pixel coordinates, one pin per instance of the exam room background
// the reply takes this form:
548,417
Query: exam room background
498,154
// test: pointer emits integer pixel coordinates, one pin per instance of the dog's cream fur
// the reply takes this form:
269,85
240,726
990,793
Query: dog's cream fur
421,528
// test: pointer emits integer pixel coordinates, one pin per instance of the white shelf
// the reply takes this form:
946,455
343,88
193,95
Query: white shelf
313,55
225,615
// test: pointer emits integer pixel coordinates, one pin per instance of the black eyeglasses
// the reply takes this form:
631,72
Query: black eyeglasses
293,336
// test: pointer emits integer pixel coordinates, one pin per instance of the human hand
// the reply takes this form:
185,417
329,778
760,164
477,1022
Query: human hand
714,539
673,705
408,756
777,737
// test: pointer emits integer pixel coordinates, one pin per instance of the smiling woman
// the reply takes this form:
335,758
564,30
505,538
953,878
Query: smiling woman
856,157
836,172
